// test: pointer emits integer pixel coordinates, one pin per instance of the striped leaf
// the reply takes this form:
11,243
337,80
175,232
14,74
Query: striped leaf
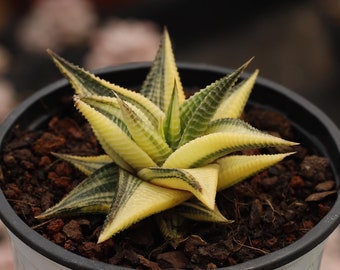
136,199
85,83
233,125
160,80
238,167
107,106
172,226
93,195
85,164
195,210
196,124
201,182
208,148
144,134
233,104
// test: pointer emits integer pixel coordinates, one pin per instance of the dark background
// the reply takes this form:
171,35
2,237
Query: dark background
295,43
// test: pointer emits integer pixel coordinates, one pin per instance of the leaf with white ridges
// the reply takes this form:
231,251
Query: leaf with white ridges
163,74
233,105
232,125
85,164
144,134
85,83
119,146
196,125
136,200
172,227
208,148
201,182
195,210
107,106
238,167
93,195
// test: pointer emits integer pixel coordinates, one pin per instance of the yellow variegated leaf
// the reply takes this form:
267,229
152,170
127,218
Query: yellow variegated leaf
137,199
108,106
201,182
93,195
195,210
236,168
116,143
111,108
85,164
232,106
86,83
144,134
208,148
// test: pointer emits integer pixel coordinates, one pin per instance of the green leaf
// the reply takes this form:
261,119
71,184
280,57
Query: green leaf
85,83
135,200
85,164
196,121
172,121
93,195
144,134
233,104
208,148
201,182
115,142
195,210
232,125
172,226
238,167
160,80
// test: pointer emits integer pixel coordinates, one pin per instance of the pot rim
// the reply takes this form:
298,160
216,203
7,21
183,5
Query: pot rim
269,261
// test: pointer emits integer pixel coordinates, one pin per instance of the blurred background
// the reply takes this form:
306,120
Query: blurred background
295,43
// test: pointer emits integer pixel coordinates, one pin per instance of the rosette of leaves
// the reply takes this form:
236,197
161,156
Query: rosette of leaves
167,155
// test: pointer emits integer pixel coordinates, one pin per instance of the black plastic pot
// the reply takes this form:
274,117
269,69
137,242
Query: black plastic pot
32,251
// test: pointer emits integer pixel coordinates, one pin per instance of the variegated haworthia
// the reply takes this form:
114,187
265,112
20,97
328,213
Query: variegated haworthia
161,147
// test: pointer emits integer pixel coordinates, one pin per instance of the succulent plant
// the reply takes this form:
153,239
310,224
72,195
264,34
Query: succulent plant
166,154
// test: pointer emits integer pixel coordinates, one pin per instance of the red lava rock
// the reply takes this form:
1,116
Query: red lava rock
59,181
90,249
55,225
268,182
59,238
48,143
297,182
44,161
306,225
72,230
323,209
313,167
